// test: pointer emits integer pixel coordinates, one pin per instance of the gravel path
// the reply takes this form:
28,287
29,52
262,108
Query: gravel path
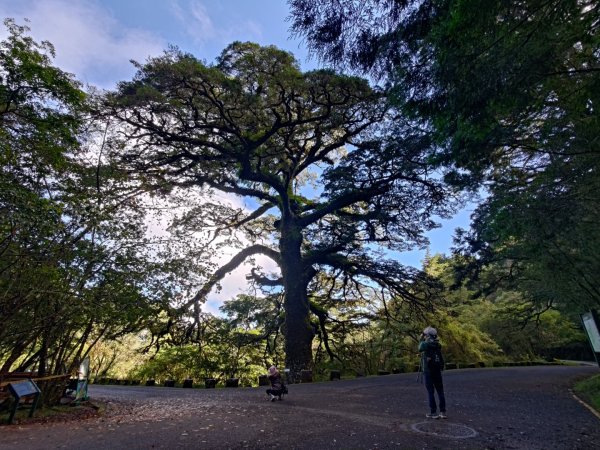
504,408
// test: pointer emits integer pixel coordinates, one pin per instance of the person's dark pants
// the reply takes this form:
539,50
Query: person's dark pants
433,382
275,392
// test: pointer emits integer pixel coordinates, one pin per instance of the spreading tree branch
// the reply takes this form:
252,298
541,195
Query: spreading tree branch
220,273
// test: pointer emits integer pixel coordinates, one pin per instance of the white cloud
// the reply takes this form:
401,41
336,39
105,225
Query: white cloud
200,26
195,20
89,41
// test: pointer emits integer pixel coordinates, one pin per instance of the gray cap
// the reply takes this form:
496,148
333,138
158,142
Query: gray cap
430,331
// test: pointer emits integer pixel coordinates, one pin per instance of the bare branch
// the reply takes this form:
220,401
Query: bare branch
231,265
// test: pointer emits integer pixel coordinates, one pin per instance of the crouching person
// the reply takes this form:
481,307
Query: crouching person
277,388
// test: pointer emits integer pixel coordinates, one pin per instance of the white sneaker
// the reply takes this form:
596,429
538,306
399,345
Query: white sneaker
273,398
432,416
443,415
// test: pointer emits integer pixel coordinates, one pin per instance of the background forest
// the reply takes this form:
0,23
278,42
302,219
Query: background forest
114,205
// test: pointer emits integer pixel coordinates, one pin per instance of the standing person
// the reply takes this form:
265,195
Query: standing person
277,386
432,363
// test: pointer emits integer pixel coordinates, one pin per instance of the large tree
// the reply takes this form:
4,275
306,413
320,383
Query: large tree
510,91
255,126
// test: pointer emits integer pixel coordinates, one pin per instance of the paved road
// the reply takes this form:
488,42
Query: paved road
504,408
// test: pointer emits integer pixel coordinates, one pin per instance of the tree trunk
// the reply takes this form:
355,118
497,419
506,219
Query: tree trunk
43,356
298,330
77,358
17,351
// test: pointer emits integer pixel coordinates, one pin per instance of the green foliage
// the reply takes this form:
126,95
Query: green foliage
246,341
504,323
178,363
73,267
510,92
498,91
227,351
486,74
589,390
508,320
117,358
255,126
38,129
240,345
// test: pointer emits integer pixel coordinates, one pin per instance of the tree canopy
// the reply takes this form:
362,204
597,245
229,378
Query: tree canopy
319,171
71,268
509,90
332,180
255,126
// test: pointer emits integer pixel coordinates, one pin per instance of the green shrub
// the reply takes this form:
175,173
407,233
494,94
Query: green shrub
589,391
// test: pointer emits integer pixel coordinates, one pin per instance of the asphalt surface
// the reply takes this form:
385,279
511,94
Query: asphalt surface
499,408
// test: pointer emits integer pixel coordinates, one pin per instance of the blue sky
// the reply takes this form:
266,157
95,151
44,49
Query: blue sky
96,39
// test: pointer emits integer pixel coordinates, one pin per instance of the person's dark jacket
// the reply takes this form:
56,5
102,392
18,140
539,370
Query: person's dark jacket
276,383
425,347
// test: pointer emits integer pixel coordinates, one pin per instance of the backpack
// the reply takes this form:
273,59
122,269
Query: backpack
435,360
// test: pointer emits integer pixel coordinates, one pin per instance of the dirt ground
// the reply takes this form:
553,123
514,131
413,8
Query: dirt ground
500,408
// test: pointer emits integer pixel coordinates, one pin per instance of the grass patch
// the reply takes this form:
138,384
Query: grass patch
589,391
